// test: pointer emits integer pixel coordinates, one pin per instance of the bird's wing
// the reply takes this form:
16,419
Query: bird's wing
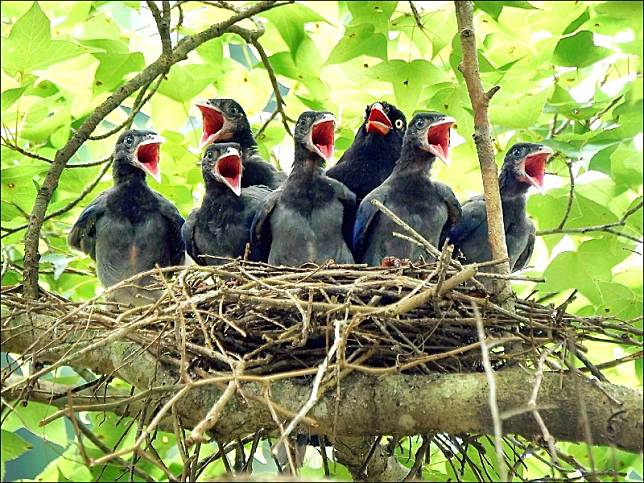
525,256
454,210
365,216
473,216
348,200
83,234
188,236
175,222
260,230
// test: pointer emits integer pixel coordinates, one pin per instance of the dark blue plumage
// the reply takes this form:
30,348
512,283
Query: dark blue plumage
310,218
523,167
130,228
374,152
224,120
427,206
220,227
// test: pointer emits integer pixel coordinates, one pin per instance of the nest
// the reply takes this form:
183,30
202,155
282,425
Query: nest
413,319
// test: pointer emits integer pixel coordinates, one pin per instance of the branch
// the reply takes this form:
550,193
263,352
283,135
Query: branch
377,397
159,67
480,101
608,227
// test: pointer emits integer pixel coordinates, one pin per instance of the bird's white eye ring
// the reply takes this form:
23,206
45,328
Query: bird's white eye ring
399,124
209,155
129,140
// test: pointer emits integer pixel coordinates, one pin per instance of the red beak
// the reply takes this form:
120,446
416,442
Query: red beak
378,122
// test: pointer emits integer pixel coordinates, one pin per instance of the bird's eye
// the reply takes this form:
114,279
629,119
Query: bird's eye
209,155
234,111
420,123
516,153
129,140
399,124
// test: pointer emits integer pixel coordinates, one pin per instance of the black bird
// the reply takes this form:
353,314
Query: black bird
524,166
221,226
374,152
130,228
224,120
310,218
427,206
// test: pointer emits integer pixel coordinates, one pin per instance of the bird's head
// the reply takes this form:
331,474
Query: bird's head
222,163
223,120
140,149
314,132
525,163
430,132
382,118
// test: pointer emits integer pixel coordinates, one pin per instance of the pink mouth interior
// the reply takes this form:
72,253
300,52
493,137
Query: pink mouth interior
148,156
229,167
322,137
438,136
535,167
213,121
378,122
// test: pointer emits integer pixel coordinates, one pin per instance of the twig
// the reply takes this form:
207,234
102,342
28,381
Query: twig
418,460
480,101
571,195
213,415
494,408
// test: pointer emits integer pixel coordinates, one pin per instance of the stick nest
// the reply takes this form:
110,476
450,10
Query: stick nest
413,319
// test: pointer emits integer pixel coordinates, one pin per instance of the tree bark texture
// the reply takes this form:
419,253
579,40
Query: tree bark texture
369,405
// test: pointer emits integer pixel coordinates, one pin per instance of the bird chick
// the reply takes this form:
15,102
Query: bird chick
427,206
224,120
130,228
310,218
375,149
523,167
220,227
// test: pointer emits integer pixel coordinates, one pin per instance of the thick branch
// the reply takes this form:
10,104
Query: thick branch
160,66
480,101
387,405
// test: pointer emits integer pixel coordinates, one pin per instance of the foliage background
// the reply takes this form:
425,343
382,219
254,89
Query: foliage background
570,76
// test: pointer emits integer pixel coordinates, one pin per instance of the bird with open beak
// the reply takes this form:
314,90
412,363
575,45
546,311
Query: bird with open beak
523,167
130,228
310,218
224,121
220,227
427,206
374,151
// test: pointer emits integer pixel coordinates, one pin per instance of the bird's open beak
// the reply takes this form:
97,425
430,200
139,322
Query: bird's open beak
213,124
147,156
229,169
438,139
323,137
534,167
378,121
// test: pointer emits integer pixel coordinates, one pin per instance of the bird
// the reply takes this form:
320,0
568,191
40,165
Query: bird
131,228
430,207
224,120
310,217
523,167
220,227
374,151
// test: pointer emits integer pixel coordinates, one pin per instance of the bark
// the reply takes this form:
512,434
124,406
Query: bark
369,405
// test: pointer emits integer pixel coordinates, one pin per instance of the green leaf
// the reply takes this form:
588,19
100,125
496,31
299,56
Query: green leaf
12,447
626,166
578,50
29,416
113,67
290,22
29,45
516,111
184,83
359,40
374,13
493,9
407,78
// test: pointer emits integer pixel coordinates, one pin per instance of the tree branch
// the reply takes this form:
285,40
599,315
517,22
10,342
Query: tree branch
378,398
489,173
160,66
